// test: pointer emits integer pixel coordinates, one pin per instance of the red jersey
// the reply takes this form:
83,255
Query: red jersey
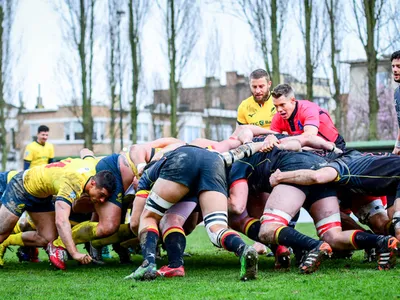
306,113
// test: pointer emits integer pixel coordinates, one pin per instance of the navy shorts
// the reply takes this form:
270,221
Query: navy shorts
196,168
318,192
17,199
110,163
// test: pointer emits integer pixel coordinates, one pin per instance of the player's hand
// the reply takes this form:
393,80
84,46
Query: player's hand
269,143
274,178
84,259
396,151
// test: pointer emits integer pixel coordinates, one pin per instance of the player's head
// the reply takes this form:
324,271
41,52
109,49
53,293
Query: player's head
101,186
43,134
260,83
395,59
284,100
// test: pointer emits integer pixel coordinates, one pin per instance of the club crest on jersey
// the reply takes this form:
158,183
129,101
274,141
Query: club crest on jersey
83,170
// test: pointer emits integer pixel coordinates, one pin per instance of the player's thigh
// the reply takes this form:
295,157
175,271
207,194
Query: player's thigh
212,201
286,198
45,224
169,190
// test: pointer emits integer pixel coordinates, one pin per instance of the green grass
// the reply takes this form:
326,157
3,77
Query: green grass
210,273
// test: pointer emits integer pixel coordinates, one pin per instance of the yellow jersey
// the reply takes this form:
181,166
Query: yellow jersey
38,154
65,179
250,112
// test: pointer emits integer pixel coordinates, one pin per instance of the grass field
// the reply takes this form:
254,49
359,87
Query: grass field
211,273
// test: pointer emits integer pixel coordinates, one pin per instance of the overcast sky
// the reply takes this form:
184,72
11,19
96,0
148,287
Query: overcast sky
37,28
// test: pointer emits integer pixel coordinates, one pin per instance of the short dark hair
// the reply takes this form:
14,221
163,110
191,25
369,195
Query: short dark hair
105,179
43,128
282,89
260,73
395,55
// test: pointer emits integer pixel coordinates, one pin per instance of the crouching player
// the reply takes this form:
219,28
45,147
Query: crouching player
198,172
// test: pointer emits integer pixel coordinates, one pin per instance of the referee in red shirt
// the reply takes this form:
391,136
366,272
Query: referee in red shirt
302,117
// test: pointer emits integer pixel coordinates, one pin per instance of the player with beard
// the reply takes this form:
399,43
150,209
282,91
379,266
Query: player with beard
258,109
395,59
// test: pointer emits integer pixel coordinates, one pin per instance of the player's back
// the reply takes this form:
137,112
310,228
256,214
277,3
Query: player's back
43,181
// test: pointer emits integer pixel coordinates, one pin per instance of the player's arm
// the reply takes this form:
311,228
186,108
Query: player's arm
304,177
238,193
396,149
163,142
137,209
51,156
310,119
63,210
28,157
85,152
313,141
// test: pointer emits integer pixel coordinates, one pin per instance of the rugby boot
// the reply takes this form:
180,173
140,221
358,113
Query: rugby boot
386,250
370,255
57,256
34,255
282,258
123,253
96,255
105,252
167,271
147,271
23,254
248,264
314,257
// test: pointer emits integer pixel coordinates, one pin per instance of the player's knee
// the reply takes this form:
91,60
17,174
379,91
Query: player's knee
271,220
329,229
170,220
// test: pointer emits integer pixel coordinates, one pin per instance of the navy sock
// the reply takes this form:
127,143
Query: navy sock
175,244
148,243
290,237
233,243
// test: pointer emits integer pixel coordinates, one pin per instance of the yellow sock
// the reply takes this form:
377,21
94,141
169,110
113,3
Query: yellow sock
14,240
81,233
123,233
16,229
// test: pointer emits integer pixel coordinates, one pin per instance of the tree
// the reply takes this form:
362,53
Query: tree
7,17
368,17
314,35
181,24
332,8
78,27
212,61
266,22
138,10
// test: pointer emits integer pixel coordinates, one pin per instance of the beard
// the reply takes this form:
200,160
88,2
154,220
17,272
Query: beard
264,98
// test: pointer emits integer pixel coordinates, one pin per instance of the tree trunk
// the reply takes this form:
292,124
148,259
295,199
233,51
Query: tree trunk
309,64
173,85
86,105
275,45
135,55
3,131
369,7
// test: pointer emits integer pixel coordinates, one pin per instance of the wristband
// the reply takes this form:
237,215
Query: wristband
397,145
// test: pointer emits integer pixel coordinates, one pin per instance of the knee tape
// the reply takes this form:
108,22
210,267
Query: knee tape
157,204
328,223
276,216
368,210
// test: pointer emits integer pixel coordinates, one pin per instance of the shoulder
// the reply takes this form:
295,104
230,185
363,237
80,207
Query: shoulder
246,101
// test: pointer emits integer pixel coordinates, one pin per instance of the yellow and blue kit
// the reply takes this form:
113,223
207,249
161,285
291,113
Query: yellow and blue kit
33,189
252,113
37,154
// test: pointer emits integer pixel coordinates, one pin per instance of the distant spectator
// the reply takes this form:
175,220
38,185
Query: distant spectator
39,152
395,59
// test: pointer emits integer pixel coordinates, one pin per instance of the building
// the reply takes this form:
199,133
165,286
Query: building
66,132
12,127
210,111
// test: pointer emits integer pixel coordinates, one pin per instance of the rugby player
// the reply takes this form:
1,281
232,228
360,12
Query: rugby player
33,190
197,172
395,59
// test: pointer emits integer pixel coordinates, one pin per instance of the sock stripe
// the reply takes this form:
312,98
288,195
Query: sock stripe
352,239
276,234
171,230
248,225
152,229
225,235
